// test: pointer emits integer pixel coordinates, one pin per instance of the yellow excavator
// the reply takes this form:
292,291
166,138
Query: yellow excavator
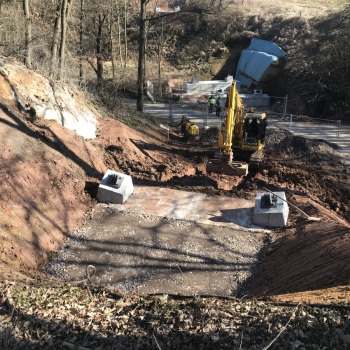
241,138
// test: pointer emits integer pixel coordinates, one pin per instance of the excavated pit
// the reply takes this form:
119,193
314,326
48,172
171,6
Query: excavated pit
166,241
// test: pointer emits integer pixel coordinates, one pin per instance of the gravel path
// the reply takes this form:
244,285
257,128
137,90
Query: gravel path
133,252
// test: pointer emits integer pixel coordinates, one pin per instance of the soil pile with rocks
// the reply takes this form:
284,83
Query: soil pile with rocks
280,139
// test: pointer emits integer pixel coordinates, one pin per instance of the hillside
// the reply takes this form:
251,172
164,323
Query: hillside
49,181
50,169
313,34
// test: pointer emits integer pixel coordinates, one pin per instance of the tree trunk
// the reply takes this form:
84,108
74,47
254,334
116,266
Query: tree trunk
101,19
160,51
28,34
64,16
119,35
125,31
81,36
141,62
56,35
112,44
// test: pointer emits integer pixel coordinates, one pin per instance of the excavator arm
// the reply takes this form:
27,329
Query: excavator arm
231,123
223,160
241,136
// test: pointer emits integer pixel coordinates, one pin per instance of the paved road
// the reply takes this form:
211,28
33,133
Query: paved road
330,132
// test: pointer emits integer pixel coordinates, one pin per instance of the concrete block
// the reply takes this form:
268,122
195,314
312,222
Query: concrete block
115,188
255,100
275,216
208,87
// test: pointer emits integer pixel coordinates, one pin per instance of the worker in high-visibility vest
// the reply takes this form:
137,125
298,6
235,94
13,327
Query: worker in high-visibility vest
212,102
218,106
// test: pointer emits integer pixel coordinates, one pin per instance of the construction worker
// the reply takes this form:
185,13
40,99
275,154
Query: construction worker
212,102
218,106
183,122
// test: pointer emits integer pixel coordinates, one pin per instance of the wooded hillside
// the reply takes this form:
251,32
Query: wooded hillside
97,46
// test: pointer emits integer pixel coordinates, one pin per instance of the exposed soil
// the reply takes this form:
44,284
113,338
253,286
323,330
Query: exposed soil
49,179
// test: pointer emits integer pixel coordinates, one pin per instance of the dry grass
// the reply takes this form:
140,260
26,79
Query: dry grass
292,8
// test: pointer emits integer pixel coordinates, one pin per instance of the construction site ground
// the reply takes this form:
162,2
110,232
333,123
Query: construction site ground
49,181
74,271
165,241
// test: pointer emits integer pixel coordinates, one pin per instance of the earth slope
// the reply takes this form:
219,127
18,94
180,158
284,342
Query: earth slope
49,178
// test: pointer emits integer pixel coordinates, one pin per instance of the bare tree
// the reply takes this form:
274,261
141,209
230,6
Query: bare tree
62,53
119,33
56,37
160,54
112,41
81,37
141,85
126,6
195,7
28,33
99,47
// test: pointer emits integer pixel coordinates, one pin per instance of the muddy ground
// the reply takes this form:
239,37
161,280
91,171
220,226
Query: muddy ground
50,178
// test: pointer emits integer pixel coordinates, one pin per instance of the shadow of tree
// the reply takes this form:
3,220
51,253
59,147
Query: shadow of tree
39,219
57,145
129,251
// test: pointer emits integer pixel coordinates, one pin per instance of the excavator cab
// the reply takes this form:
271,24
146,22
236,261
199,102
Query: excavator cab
254,130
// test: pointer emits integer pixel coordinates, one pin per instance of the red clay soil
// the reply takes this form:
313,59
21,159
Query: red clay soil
49,178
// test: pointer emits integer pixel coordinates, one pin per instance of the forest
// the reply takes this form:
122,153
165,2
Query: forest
113,47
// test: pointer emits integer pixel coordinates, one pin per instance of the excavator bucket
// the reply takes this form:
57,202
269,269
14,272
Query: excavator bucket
229,168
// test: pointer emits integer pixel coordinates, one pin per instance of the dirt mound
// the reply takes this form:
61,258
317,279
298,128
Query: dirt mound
310,256
281,140
44,171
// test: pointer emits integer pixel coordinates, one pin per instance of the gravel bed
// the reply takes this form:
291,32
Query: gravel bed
135,252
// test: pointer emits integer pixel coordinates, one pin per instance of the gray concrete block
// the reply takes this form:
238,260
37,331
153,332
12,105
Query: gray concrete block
208,87
253,100
115,188
275,216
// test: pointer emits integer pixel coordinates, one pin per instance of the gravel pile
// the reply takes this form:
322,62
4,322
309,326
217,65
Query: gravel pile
210,135
280,139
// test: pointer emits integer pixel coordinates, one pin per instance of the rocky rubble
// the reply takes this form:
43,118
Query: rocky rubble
40,97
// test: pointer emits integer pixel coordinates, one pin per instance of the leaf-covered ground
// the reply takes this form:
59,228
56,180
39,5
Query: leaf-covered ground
85,317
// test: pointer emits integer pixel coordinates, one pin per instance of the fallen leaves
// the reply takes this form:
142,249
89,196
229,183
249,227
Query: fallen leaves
63,316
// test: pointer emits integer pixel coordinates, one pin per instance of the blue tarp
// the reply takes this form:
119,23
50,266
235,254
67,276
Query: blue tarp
255,60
